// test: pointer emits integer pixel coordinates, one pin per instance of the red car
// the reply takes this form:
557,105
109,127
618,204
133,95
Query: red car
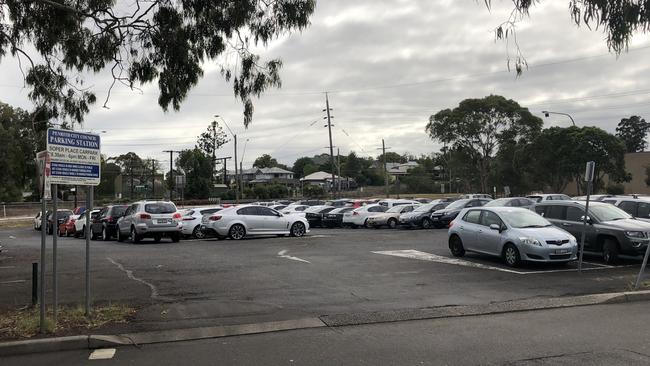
67,227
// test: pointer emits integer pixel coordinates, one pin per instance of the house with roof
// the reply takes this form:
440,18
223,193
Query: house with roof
324,180
255,176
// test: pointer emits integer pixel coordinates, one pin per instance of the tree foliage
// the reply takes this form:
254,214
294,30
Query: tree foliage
22,135
141,42
195,164
265,161
479,127
633,132
212,139
618,19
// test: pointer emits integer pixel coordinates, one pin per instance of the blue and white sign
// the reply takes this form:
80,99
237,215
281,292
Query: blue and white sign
75,157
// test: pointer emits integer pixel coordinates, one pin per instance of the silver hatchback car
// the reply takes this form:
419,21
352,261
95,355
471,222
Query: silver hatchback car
152,219
512,233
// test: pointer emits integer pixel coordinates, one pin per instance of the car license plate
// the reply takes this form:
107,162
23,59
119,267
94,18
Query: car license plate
561,251
435,218
162,221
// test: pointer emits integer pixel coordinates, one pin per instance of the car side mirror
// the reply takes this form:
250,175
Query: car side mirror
496,227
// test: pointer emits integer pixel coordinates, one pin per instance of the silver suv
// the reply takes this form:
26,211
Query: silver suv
152,219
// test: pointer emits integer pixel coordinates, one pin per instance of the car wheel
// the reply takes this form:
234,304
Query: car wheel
135,238
365,224
511,255
197,233
298,229
426,223
237,232
176,237
105,236
456,246
392,223
120,238
610,251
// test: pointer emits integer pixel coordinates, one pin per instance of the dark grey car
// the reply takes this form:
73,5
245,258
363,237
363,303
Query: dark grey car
610,230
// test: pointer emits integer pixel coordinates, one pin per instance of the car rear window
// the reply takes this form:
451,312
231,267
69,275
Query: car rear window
160,208
209,211
119,210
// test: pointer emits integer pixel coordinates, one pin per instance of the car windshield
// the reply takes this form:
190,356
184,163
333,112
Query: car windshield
424,208
458,204
606,212
523,219
160,208
497,203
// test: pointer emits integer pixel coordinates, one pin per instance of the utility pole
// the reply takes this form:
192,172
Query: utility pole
241,182
224,159
237,180
383,152
338,166
214,150
171,172
153,178
329,128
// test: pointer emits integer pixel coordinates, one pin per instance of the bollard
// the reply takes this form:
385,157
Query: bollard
34,284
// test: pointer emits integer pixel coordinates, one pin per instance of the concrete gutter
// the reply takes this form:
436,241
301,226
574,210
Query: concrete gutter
334,320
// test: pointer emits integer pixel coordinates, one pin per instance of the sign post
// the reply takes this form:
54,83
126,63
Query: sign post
589,178
55,236
75,160
43,165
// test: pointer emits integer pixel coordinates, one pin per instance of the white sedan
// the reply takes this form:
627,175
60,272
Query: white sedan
248,220
359,216
192,220
80,223
295,210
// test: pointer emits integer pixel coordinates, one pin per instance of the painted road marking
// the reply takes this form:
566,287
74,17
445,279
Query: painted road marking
102,354
8,267
416,254
283,254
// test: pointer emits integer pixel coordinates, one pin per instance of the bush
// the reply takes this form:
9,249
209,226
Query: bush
313,191
615,189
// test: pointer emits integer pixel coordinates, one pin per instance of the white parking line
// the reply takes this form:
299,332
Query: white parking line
7,267
283,254
416,254
102,354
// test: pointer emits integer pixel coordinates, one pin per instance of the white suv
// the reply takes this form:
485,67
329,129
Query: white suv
153,219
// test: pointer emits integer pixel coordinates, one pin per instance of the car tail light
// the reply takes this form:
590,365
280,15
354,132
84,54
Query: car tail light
355,213
215,217
451,223
188,218
145,216
177,215
109,218
72,221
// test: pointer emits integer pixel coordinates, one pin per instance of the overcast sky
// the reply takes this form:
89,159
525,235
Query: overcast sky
388,66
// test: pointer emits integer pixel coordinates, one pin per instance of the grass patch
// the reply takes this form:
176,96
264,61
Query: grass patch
15,224
25,323
644,285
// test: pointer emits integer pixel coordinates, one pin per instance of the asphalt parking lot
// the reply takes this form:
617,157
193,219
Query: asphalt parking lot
330,271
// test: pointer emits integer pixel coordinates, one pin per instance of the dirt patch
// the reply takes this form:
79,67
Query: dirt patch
25,322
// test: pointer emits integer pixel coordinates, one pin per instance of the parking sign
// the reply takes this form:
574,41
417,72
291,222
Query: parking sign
75,157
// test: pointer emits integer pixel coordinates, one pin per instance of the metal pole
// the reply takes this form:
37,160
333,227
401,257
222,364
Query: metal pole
338,167
241,183
645,262
55,237
383,149
34,283
329,129
584,228
237,177
43,239
89,205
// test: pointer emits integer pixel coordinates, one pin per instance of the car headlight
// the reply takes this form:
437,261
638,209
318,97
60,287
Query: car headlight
635,234
530,241
573,239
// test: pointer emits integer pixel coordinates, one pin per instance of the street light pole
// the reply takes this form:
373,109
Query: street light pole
241,169
547,113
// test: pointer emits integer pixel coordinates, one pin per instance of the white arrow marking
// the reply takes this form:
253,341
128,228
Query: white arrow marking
283,254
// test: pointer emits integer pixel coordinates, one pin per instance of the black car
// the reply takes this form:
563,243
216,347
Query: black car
420,216
441,218
334,218
610,231
314,215
61,217
103,224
